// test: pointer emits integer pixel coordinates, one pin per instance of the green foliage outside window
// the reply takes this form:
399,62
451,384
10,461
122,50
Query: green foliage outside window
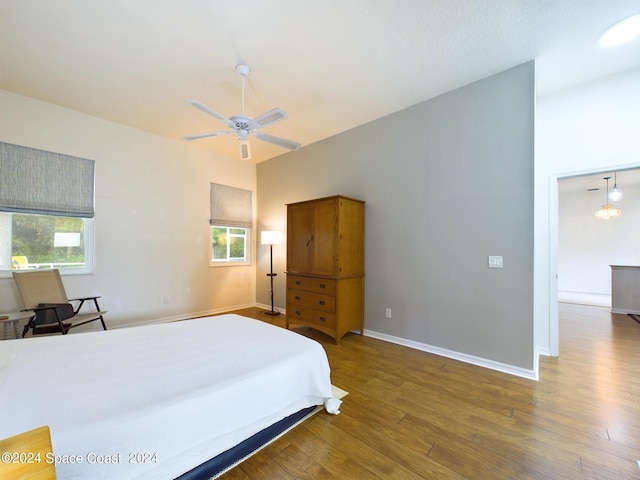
33,237
229,244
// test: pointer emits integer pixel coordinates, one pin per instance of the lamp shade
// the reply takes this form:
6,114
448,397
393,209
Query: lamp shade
607,212
270,237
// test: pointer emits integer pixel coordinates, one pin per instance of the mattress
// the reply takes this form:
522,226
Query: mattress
157,401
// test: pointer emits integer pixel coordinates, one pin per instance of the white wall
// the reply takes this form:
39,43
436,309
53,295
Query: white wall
587,129
152,211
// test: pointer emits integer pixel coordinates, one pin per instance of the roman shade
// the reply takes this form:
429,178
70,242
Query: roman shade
230,206
45,183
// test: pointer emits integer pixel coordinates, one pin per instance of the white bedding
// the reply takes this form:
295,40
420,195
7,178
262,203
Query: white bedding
169,396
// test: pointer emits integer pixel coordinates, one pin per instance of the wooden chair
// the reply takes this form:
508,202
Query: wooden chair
29,456
43,293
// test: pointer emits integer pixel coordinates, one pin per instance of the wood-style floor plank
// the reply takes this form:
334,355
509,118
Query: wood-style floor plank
412,415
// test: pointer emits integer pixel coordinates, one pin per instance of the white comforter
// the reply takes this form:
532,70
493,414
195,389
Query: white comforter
156,401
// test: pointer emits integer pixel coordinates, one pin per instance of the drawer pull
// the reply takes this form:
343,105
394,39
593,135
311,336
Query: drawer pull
298,312
322,319
297,297
321,302
322,285
298,282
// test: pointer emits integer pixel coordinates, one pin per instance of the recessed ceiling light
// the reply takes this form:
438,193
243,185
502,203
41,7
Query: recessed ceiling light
621,32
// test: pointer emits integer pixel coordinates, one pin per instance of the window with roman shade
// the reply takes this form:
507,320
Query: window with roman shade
231,220
46,210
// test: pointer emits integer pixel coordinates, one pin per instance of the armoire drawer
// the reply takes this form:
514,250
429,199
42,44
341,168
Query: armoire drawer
325,286
305,300
295,312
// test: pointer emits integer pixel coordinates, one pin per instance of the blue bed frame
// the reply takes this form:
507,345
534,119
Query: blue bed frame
220,463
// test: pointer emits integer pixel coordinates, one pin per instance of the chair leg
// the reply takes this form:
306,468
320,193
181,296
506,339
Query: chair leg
62,327
26,328
28,325
95,301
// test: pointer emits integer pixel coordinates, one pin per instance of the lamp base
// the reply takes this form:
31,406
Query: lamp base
272,312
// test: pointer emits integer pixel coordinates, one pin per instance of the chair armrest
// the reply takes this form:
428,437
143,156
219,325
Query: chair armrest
82,299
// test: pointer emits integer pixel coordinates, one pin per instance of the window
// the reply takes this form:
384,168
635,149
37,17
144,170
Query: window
44,241
231,220
229,244
46,210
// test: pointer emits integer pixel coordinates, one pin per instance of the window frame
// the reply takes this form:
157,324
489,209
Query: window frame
89,251
228,262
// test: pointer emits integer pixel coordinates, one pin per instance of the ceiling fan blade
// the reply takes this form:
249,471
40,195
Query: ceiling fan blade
278,141
201,106
205,135
269,118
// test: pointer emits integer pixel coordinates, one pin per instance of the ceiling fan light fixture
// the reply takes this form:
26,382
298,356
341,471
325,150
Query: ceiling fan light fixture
621,32
245,148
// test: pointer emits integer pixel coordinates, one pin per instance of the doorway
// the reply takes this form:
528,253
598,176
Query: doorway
585,247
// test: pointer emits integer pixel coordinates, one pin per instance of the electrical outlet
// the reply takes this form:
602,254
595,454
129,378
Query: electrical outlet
387,313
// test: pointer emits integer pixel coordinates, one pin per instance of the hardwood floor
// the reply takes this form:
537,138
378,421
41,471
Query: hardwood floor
414,415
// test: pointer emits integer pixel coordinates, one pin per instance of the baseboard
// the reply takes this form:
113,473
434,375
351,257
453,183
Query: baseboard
584,298
463,357
268,307
625,312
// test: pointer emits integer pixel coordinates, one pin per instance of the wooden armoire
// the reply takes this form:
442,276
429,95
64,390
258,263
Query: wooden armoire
325,265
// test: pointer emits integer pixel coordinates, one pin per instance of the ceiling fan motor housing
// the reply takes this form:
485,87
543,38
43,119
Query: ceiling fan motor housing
242,123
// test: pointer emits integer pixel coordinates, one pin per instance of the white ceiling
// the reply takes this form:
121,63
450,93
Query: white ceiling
331,64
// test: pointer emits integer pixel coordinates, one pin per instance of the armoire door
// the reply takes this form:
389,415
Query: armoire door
325,224
299,239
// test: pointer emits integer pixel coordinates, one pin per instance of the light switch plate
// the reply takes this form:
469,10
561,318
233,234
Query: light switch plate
495,261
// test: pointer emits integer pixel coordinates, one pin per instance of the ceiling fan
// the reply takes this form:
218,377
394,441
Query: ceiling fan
242,125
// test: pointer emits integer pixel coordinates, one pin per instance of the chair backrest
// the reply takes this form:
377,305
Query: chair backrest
32,444
40,286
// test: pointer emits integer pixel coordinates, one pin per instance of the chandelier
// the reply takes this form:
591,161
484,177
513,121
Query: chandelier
607,211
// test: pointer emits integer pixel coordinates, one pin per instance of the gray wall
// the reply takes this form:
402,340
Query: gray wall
447,183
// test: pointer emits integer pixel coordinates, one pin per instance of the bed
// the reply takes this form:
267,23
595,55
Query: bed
159,401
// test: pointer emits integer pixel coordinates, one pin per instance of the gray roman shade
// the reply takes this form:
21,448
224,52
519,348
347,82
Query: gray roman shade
230,206
45,183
